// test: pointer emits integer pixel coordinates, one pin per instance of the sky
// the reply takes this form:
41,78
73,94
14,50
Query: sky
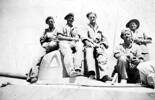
22,22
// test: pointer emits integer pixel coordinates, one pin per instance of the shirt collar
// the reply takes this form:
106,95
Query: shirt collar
93,27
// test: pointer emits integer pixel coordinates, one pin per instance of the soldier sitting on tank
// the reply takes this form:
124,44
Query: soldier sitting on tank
94,41
128,55
49,42
71,47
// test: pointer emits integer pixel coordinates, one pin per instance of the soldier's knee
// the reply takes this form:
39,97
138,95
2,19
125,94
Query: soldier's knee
123,59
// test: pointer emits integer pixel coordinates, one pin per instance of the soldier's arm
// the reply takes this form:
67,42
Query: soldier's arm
64,37
104,42
117,52
43,38
137,58
143,40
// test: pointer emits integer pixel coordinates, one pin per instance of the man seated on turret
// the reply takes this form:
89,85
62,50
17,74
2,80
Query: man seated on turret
49,42
128,55
71,47
95,44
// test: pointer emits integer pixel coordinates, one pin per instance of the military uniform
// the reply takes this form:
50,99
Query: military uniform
95,51
71,50
125,68
48,41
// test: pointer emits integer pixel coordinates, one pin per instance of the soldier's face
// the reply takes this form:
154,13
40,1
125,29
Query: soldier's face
92,18
127,36
133,26
50,22
70,20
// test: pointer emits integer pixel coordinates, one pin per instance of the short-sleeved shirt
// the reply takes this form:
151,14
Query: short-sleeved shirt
94,33
70,31
134,49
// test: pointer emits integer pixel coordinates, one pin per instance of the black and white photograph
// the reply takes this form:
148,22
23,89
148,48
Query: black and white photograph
77,50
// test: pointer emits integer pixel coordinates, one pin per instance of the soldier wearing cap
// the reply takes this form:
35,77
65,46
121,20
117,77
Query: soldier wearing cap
49,42
140,38
49,38
128,55
71,47
95,45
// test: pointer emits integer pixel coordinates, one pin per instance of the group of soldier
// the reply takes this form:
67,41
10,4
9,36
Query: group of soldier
90,46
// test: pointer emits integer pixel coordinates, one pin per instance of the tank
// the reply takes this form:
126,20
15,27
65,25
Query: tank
54,84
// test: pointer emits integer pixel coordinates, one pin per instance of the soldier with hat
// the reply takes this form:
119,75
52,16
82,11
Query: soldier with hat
140,38
135,24
68,16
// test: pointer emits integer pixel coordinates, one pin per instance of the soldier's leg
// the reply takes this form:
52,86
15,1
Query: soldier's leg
101,60
90,60
102,65
121,67
32,75
68,58
79,57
